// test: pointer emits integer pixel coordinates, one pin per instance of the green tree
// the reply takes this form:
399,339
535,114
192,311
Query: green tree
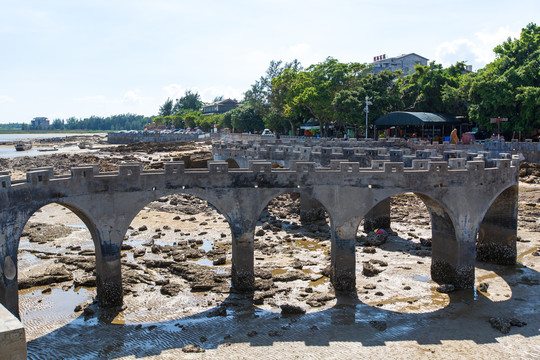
167,108
246,118
190,101
508,86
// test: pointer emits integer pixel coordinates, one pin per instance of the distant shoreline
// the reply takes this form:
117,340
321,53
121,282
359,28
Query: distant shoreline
52,131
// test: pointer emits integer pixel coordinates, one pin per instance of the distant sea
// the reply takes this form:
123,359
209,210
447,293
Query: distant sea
8,151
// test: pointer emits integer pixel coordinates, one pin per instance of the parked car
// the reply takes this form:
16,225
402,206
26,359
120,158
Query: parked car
267,132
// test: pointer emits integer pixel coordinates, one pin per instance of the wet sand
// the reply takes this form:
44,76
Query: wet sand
395,314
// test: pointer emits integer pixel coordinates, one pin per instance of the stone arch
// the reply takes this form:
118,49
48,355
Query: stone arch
233,163
497,234
285,243
452,261
9,259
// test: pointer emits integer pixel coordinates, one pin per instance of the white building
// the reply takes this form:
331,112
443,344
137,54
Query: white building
405,63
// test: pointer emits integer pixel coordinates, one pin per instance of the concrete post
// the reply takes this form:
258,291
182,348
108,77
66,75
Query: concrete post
378,217
343,256
498,231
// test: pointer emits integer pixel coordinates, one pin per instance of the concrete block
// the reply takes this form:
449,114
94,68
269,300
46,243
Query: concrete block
38,177
5,182
130,169
83,172
12,337
174,167
303,167
260,166
393,167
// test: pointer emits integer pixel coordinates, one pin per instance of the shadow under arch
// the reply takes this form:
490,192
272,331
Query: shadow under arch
497,235
242,323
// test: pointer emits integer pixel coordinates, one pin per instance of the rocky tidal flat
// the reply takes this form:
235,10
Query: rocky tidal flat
178,299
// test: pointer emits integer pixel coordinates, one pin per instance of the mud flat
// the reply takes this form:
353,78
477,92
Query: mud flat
178,300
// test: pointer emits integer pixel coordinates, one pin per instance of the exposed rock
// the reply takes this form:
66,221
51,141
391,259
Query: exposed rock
171,289
501,324
42,233
52,274
369,270
369,250
292,309
221,260
446,288
483,287
375,239
193,349
87,281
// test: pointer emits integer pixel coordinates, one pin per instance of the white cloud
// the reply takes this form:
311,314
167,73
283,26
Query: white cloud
477,51
6,99
135,97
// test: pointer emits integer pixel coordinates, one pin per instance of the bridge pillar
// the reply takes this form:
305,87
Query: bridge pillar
453,250
498,231
108,265
9,285
378,217
343,256
109,278
242,267
11,225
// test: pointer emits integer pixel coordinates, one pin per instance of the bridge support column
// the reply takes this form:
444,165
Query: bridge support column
109,278
453,252
343,257
9,285
242,268
498,231
378,217
108,265
310,209
453,259
11,225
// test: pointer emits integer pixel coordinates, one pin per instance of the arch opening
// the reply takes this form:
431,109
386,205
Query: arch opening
497,235
176,254
56,268
393,268
292,245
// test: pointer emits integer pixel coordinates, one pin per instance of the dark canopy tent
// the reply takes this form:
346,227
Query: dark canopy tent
403,119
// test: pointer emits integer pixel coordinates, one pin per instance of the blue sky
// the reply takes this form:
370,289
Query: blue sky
61,58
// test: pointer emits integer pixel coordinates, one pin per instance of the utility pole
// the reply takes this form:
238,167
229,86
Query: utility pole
367,112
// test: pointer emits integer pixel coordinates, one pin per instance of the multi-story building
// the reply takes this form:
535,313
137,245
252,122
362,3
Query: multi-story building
405,63
219,107
40,123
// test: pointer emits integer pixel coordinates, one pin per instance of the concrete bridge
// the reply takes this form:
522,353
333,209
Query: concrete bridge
317,149
473,210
